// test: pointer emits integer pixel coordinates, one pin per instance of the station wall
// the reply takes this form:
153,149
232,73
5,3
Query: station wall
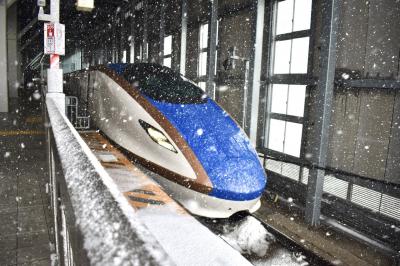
365,122
364,130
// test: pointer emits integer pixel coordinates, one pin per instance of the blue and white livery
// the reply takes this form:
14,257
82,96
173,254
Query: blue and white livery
203,158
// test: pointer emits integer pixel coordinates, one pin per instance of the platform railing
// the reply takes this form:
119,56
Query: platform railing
72,112
93,223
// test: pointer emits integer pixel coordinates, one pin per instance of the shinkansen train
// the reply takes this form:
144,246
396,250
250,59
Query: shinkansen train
204,159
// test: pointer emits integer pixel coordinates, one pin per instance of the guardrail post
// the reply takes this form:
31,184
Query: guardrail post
51,184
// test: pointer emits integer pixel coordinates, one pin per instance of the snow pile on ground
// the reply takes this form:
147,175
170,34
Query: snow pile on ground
248,237
282,257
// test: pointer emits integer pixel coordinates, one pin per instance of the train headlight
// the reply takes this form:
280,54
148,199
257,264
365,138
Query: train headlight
157,136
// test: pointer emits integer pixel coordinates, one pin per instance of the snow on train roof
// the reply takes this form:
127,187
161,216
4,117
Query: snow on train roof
160,83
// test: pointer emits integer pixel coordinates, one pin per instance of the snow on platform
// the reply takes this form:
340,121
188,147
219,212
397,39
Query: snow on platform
184,239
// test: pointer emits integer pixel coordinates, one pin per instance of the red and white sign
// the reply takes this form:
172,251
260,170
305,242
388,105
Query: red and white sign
54,38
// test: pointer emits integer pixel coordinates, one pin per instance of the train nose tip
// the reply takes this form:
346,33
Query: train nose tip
241,179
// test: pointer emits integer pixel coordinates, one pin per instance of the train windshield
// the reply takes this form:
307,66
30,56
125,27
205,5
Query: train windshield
162,84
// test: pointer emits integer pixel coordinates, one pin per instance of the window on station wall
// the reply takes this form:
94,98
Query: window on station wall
285,137
293,15
167,60
123,60
202,85
202,58
287,104
288,99
290,57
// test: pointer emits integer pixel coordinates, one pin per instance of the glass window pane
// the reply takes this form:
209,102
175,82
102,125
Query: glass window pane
284,17
282,57
168,45
276,135
279,98
302,15
202,85
299,60
293,138
202,64
203,36
167,62
123,60
297,95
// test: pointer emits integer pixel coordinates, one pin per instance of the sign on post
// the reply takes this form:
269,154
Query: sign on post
54,38
85,5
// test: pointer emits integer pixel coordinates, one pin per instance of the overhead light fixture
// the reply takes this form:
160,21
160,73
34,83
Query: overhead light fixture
85,5
157,136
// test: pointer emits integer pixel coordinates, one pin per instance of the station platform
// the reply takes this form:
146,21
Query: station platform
24,213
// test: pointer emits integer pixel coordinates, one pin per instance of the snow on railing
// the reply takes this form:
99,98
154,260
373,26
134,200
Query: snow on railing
112,235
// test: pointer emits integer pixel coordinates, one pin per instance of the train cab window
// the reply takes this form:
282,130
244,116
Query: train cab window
163,85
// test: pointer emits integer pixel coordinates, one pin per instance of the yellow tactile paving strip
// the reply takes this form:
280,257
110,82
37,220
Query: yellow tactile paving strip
150,194
144,196
7,133
34,119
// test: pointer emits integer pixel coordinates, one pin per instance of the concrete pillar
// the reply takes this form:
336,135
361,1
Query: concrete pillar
12,51
3,58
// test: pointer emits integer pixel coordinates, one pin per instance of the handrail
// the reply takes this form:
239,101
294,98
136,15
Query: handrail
112,235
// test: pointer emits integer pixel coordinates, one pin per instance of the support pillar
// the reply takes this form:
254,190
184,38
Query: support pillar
12,51
3,57
253,95
54,73
145,57
162,33
133,33
323,108
212,49
184,24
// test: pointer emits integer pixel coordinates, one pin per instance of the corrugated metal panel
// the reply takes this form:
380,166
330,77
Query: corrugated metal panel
288,170
304,176
274,166
291,171
366,197
390,206
335,186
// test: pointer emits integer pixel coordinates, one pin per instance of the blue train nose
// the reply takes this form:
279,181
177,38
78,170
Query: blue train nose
221,147
238,179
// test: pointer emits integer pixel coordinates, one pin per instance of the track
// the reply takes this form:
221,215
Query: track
281,249
293,246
